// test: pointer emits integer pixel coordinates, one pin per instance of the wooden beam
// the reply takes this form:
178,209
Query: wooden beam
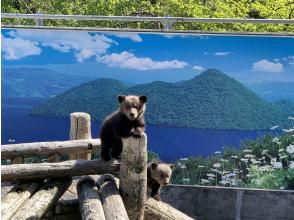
111,200
80,128
48,148
89,200
43,200
48,170
16,197
133,176
157,210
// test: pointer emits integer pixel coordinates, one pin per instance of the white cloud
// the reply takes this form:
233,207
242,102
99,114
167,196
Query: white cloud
132,36
16,48
83,44
267,66
198,68
128,60
222,53
291,60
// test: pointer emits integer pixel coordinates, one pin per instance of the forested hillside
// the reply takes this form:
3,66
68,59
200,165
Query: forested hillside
260,9
210,100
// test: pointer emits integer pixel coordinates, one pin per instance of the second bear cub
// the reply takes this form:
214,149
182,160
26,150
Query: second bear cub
127,121
158,174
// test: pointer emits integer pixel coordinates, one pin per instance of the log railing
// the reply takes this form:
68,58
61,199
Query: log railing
80,145
132,171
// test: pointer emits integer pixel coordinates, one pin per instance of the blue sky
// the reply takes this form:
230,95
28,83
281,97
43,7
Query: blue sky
143,58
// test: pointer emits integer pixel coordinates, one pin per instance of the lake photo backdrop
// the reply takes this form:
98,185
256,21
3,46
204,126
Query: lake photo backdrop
220,107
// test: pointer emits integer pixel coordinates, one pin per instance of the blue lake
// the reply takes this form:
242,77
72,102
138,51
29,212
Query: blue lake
170,143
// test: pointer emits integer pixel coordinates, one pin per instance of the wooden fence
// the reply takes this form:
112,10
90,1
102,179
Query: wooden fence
40,185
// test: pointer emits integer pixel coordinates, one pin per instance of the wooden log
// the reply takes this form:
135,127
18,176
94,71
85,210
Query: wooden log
16,197
133,175
112,202
48,148
43,200
89,200
157,210
49,170
80,128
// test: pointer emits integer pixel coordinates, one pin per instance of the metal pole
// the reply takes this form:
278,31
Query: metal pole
39,21
154,19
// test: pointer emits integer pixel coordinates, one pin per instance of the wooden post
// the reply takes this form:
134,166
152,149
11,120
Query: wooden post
112,202
18,160
89,200
133,176
56,157
49,170
44,199
16,197
80,128
156,210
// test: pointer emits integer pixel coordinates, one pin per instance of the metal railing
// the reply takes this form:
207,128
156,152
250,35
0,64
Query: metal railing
167,22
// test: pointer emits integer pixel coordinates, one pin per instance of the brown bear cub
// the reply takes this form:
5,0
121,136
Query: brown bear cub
127,121
158,174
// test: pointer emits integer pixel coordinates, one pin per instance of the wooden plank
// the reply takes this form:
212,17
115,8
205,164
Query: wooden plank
89,200
48,148
44,199
112,202
16,197
49,170
133,176
80,128
157,210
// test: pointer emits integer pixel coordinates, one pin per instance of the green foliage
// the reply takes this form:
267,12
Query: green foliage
210,100
264,163
282,9
152,156
272,179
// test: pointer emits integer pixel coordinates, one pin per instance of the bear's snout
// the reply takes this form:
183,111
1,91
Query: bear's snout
133,113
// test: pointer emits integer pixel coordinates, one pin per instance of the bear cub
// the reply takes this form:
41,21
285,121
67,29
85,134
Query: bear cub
158,174
127,121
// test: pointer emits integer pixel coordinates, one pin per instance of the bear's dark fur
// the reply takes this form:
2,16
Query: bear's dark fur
127,121
158,174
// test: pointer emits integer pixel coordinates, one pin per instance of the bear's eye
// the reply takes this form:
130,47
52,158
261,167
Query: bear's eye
162,175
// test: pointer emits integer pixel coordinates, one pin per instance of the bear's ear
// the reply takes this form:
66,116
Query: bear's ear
121,98
154,165
172,166
143,98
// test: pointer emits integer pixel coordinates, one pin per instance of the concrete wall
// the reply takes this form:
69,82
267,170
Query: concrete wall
223,203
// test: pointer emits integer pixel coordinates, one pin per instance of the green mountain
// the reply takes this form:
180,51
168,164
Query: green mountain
286,105
92,97
37,82
210,100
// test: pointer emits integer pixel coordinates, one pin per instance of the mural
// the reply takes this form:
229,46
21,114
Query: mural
207,94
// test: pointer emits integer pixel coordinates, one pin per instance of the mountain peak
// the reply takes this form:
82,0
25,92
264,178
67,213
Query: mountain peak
213,72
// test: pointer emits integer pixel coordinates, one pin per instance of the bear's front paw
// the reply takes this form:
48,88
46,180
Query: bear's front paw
157,197
137,135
